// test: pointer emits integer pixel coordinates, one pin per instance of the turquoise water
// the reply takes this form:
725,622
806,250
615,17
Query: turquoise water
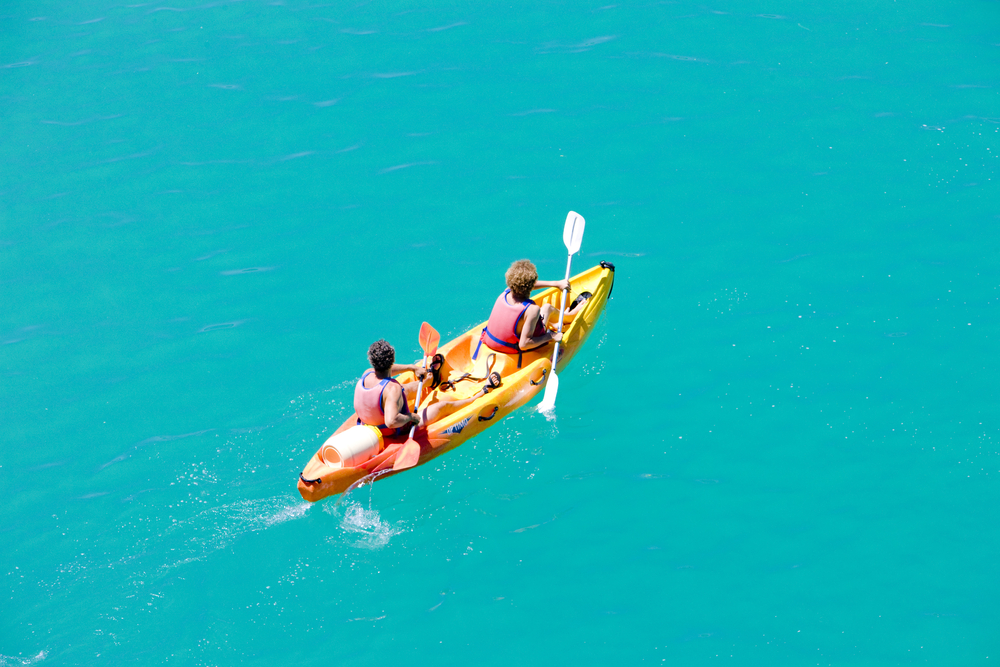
776,449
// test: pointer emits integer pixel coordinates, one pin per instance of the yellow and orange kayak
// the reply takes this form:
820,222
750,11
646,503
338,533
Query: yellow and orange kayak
322,478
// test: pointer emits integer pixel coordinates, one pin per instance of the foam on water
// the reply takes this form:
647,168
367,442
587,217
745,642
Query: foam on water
218,527
364,525
16,661
368,528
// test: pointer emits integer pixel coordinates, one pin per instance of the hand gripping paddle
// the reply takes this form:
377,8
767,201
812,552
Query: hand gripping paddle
409,453
572,238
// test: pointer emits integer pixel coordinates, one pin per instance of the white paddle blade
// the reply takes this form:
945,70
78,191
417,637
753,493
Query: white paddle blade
548,403
573,232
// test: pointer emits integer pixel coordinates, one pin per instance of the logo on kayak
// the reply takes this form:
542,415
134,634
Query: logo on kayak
457,428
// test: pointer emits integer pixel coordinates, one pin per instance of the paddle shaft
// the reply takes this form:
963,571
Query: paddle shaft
562,313
416,402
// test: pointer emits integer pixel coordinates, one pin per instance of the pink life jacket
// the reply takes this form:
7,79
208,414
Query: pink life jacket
501,332
369,406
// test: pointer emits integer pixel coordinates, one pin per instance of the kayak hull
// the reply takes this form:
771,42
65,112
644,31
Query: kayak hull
519,386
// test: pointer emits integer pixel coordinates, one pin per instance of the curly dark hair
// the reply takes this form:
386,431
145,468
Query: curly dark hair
381,355
521,277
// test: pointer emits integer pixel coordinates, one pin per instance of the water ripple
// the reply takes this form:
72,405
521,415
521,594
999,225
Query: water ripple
221,325
252,269
447,27
405,166
81,122
533,111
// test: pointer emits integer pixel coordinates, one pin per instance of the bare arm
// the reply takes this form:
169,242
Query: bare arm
391,398
529,342
402,368
561,284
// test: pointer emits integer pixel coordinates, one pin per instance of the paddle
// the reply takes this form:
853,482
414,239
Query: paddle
572,238
409,453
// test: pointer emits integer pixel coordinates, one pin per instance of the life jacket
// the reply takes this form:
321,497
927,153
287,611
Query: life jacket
501,333
368,404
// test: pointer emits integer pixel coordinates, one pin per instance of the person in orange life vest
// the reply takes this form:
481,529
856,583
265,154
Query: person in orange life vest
517,324
381,401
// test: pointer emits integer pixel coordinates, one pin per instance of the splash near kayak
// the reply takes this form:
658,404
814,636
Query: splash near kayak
355,452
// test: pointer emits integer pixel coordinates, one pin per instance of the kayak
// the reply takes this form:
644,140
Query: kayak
329,472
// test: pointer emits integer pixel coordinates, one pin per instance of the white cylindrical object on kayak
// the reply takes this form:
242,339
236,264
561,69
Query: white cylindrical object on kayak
351,447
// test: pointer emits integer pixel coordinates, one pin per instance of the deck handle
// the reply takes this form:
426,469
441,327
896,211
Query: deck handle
310,481
545,371
492,415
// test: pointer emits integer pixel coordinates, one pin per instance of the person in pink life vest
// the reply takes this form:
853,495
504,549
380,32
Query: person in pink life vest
382,402
517,324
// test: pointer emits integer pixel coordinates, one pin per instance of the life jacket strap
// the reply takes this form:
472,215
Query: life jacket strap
509,346
512,348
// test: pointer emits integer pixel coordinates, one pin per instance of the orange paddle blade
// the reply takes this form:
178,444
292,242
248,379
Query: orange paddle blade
381,461
429,339
407,456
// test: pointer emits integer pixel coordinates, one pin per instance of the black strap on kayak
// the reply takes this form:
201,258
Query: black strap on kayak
610,267
491,361
310,481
